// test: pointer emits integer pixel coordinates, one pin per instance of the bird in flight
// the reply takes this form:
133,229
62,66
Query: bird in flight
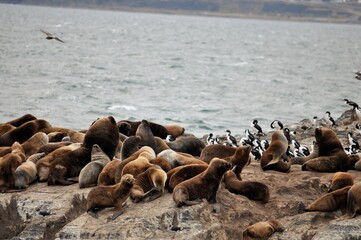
50,36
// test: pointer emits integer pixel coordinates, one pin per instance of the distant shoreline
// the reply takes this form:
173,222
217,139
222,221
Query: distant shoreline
206,14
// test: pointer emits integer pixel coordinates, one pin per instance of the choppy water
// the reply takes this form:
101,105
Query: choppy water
204,73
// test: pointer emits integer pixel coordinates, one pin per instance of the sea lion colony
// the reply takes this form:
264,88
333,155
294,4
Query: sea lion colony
109,152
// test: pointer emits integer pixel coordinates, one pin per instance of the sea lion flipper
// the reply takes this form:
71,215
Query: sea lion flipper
116,214
73,179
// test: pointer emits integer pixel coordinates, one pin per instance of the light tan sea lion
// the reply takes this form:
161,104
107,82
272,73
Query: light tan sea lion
330,202
340,180
26,173
110,196
89,174
204,185
262,230
139,165
149,185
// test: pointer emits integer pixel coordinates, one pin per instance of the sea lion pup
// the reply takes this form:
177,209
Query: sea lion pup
184,173
103,132
331,155
340,180
174,130
43,164
112,172
204,185
8,165
149,185
354,200
161,162
110,196
251,189
330,202
275,157
21,120
26,173
23,132
139,165
262,230
88,176
216,150
146,135
187,144
240,159
130,146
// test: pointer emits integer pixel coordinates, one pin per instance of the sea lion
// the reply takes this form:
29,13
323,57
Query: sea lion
130,146
50,147
174,130
216,150
161,145
187,144
34,143
88,176
112,172
354,200
138,165
110,196
26,173
56,136
146,135
240,159
21,120
178,158
5,127
330,202
204,185
129,128
331,156
23,132
43,164
275,157
251,189
149,185
184,173
103,132
340,180
161,162
8,165
262,230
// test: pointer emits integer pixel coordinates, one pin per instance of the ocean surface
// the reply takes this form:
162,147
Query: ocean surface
207,74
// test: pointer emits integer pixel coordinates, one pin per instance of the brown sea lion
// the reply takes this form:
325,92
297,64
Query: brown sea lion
216,150
240,159
161,145
33,144
340,180
184,173
178,158
187,144
251,189
129,128
130,146
26,173
330,202
331,155
262,230
103,132
21,120
23,132
88,176
174,130
354,200
110,196
149,185
146,135
138,165
275,157
204,185
43,164
56,136
50,147
5,127
8,165
161,162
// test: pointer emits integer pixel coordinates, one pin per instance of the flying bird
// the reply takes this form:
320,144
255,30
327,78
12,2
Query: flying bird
50,36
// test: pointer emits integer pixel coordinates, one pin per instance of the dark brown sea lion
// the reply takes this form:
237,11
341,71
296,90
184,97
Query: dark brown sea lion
204,185
187,144
331,156
184,173
21,120
129,128
251,189
146,135
130,146
216,150
110,196
240,159
262,230
275,157
5,127
161,162
103,132
149,185
23,132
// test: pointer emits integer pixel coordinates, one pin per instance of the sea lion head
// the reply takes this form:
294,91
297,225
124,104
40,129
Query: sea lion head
128,179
